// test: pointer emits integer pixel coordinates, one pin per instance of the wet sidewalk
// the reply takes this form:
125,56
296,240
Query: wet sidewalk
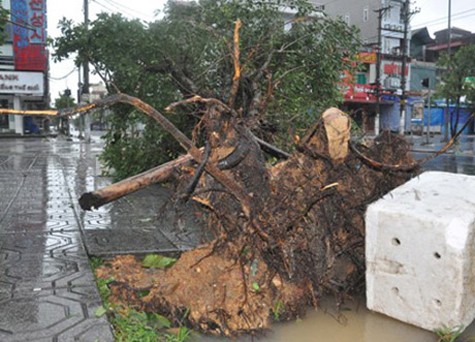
47,288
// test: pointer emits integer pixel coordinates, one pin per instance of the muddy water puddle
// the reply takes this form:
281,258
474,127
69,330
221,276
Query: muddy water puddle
355,323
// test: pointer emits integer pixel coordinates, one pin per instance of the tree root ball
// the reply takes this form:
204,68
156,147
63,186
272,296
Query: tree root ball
219,294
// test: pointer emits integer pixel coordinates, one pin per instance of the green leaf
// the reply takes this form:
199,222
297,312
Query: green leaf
256,286
100,311
157,261
159,321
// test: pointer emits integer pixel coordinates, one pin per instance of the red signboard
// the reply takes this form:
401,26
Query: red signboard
360,93
394,69
29,34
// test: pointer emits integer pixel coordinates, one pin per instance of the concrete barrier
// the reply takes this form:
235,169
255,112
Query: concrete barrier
420,251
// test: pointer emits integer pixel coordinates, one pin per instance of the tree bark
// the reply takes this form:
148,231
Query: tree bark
117,190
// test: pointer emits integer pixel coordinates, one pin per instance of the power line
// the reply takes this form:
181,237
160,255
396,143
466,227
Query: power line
131,10
20,22
117,9
460,15
104,6
442,22
111,7
63,77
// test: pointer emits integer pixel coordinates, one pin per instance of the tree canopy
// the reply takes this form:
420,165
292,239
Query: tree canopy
459,79
4,15
290,69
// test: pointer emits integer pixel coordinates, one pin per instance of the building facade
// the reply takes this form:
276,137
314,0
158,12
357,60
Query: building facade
426,75
23,64
385,71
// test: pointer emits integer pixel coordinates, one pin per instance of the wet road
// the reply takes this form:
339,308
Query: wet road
459,159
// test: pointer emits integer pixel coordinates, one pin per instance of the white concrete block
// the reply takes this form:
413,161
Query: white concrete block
420,251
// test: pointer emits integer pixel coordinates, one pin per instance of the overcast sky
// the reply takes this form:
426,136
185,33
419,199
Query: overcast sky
433,14
73,9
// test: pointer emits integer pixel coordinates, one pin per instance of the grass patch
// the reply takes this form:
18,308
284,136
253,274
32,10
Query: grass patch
449,334
135,326
95,263
277,309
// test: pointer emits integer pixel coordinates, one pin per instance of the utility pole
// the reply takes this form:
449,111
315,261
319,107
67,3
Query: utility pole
402,104
447,103
426,84
380,13
85,86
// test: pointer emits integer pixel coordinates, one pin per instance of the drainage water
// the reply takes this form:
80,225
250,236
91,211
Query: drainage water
355,323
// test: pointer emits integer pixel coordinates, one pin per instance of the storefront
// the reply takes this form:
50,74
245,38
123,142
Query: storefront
24,64
20,90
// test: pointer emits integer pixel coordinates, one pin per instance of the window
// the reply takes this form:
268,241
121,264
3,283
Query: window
387,46
361,79
365,14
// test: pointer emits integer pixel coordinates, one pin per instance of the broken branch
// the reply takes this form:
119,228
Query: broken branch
417,163
199,99
237,66
271,149
117,190
28,112
236,190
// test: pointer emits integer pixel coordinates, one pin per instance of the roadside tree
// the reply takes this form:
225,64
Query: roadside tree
63,101
290,69
458,82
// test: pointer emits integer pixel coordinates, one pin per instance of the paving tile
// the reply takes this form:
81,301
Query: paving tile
53,315
42,243
34,271
114,242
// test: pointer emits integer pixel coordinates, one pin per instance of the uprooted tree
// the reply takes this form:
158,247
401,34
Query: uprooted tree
284,235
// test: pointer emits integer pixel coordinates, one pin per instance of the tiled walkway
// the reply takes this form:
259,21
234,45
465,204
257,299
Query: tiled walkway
47,289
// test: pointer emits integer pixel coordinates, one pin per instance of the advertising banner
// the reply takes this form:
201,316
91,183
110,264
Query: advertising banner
13,82
29,34
367,57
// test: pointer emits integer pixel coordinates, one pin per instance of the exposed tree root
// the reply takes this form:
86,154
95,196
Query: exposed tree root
221,295
302,238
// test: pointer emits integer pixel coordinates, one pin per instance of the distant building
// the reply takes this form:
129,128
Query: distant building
425,76
384,19
458,38
426,50
423,67
23,64
419,42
